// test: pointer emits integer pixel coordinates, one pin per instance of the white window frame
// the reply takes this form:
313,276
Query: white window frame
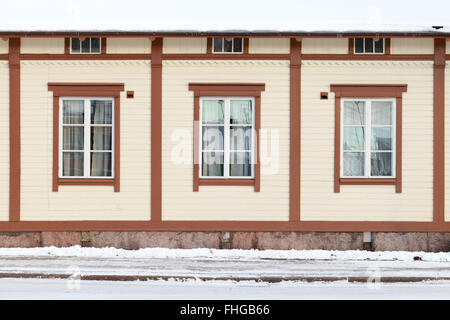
232,46
87,137
90,46
226,143
364,46
368,133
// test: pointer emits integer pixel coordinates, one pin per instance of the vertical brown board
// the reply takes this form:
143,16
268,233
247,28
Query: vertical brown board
257,154
439,131
117,144
156,129
337,142
196,155
55,143
295,130
14,129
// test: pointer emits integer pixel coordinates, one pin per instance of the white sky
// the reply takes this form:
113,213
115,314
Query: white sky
282,15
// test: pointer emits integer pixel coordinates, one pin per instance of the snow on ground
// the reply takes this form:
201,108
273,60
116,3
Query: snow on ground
204,253
218,290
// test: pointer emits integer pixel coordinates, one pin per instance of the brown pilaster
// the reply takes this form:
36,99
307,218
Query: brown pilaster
295,115
156,129
14,129
439,131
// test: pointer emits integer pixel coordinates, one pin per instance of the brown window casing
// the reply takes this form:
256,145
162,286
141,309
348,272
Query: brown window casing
387,47
102,47
226,90
86,90
367,91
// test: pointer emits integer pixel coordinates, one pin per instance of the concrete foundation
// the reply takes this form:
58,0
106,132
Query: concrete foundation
381,241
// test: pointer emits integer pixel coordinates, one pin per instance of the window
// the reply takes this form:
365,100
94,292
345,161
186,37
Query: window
88,45
227,120
227,137
368,138
368,134
222,45
86,134
369,45
87,141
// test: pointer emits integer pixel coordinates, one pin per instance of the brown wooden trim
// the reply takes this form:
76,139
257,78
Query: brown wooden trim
371,57
61,89
209,41
156,130
227,90
103,45
246,44
14,129
439,130
218,226
66,45
295,129
367,91
367,181
351,46
387,46
227,182
337,143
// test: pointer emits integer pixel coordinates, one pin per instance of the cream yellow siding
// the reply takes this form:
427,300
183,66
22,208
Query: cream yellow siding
412,46
128,45
366,203
447,141
4,141
179,202
38,202
4,46
269,45
325,45
184,45
42,45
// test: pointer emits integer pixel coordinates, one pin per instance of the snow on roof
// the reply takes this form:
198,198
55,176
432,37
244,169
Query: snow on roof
231,16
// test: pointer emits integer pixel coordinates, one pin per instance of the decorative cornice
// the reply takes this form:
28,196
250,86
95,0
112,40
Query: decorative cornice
226,62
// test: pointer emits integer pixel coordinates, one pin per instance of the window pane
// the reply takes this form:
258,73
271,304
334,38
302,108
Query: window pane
212,138
359,45
217,44
75,45
212,164
101,163
227,45
354,113
240,164
354,138
95,45
379,46
213,111
73,111
237,45
101,111
101,138
381,163
381,138
381,112
241,112
73,138
353,163
85,45
368,45
73,164
241,138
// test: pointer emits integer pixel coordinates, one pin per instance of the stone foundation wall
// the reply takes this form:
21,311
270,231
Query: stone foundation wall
381,241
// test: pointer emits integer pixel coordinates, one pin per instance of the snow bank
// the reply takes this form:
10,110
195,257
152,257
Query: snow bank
236,254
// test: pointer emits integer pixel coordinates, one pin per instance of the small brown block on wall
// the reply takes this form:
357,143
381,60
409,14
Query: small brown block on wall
324,96
130,94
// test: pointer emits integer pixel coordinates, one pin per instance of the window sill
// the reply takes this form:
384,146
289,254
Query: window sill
226,182
367,181
88,182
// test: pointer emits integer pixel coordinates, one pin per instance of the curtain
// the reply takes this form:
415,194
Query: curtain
213,111
241,112
212,164
73,138
354,138
240,164
101,138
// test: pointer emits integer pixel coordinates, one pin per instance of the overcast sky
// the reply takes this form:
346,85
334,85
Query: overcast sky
220,14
